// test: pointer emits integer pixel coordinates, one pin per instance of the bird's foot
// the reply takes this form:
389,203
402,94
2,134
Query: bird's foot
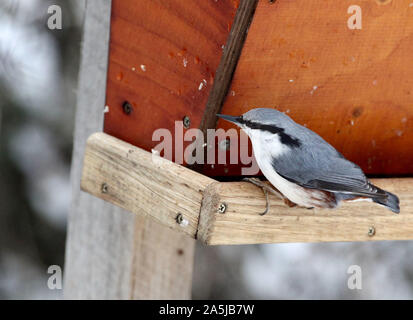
265,188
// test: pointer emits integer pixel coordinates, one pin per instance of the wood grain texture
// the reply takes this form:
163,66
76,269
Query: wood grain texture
163,59
110,253
143,183
242,224
353,87
228,63
225,71
162,263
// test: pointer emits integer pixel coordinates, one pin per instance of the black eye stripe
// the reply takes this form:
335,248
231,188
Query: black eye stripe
284,137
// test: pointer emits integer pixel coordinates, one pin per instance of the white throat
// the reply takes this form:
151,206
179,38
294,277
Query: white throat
266,144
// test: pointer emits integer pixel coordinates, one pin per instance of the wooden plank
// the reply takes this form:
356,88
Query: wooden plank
110,253
141,182
353,87
162,263
242,224
163,59
228,63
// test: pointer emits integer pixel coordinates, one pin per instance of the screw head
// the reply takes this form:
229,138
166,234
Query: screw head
222,207
372,231
127,107
104,188
225,144
187,122
179,218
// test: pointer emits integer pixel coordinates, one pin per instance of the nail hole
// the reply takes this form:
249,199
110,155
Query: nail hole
357,112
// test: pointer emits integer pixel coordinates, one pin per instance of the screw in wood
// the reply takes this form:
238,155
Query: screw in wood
225,144
222,208
187,122
179,218
104,188
127,107
371,232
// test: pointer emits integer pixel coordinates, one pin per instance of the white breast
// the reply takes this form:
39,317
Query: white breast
268,146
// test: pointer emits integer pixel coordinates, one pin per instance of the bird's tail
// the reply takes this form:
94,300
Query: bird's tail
391,201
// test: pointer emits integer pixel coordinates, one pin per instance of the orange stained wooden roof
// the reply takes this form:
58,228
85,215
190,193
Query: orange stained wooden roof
353,87
163,57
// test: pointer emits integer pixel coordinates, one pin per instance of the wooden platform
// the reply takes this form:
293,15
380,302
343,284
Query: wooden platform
228,212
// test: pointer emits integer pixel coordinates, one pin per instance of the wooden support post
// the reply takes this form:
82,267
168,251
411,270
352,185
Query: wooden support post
228,212
110,253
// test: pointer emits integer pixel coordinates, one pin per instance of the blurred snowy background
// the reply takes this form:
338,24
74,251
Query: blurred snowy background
38,75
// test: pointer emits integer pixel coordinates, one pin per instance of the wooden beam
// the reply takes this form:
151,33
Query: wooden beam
225,71
242,224
110,253
229,60
138,181
222,213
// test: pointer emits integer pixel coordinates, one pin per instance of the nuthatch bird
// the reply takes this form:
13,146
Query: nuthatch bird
303,167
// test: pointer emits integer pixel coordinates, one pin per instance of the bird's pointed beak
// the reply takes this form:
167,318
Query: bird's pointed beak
232,119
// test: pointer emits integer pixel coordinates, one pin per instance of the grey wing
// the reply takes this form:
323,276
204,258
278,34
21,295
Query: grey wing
324,168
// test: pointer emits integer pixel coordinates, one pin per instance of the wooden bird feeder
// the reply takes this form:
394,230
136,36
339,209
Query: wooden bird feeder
188,60
353,87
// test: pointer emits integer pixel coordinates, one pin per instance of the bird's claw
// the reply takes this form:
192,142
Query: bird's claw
267,203
264,188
